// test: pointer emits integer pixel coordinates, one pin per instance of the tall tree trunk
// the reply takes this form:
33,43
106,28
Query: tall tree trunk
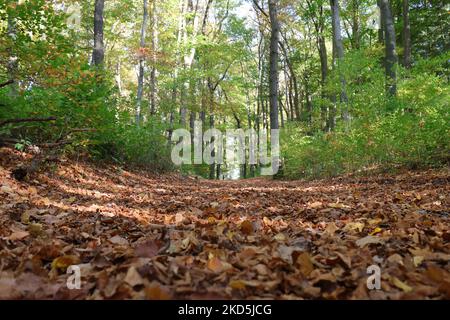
98,55
356,24
391,55
141,63
274,53
155,44
407,60
12,65
338,46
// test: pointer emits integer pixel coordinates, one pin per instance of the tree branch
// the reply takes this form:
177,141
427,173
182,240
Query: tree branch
7,83
5,122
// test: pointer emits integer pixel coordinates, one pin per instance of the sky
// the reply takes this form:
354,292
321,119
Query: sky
245,9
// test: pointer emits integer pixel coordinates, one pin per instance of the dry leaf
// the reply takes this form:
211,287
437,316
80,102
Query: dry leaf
401,285
133,278
247,227
18,235
305,264
369,240
118,240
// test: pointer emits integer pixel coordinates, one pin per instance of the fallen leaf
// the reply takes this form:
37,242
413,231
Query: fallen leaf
376,231
217,266
401,285
118,240
247,227
237,284
147,249
417,260
368,240
133,278
157,292
305,264
62,263
18,235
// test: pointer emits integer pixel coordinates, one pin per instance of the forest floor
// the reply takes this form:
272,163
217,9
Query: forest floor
140,236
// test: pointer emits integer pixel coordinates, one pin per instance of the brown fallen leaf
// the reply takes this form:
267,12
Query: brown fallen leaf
118,240
247,227
148,249
369,240
216,265
18,235
133,278
305,264
157,292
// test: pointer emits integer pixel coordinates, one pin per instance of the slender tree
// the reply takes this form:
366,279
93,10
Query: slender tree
12,65
155,45
142,55
406,35
338,55
273,73
98,55
391,59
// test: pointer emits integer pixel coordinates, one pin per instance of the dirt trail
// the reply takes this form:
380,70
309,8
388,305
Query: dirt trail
161,237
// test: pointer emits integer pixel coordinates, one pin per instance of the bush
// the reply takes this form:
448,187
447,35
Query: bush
408,131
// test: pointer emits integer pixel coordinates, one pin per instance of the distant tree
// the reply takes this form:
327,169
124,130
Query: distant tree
98,55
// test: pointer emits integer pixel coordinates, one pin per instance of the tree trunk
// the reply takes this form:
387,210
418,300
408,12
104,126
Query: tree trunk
274,53
155,44
141,64
98,55
407,60
355,24
12,65
391,55
338,46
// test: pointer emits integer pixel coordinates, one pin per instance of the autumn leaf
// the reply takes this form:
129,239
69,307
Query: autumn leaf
118,240
247,227
62,263
401,285
18,235
218,266
305,264
157,292
369,240
237,284
133,278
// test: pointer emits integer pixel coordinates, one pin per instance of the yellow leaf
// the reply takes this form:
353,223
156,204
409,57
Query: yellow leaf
417,260
156,292
401,285
305,264
280,237
376,231
237,284
62,263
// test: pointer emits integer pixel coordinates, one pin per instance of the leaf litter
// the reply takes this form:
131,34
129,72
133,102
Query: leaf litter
140,236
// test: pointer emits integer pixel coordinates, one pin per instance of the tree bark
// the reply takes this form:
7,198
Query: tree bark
407,60
98,55
12,65
155,45
338,53
273,73
141,64
391,55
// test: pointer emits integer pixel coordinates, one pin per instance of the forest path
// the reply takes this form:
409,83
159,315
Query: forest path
162,237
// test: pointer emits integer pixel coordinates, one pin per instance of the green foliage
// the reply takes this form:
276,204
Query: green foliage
409,131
